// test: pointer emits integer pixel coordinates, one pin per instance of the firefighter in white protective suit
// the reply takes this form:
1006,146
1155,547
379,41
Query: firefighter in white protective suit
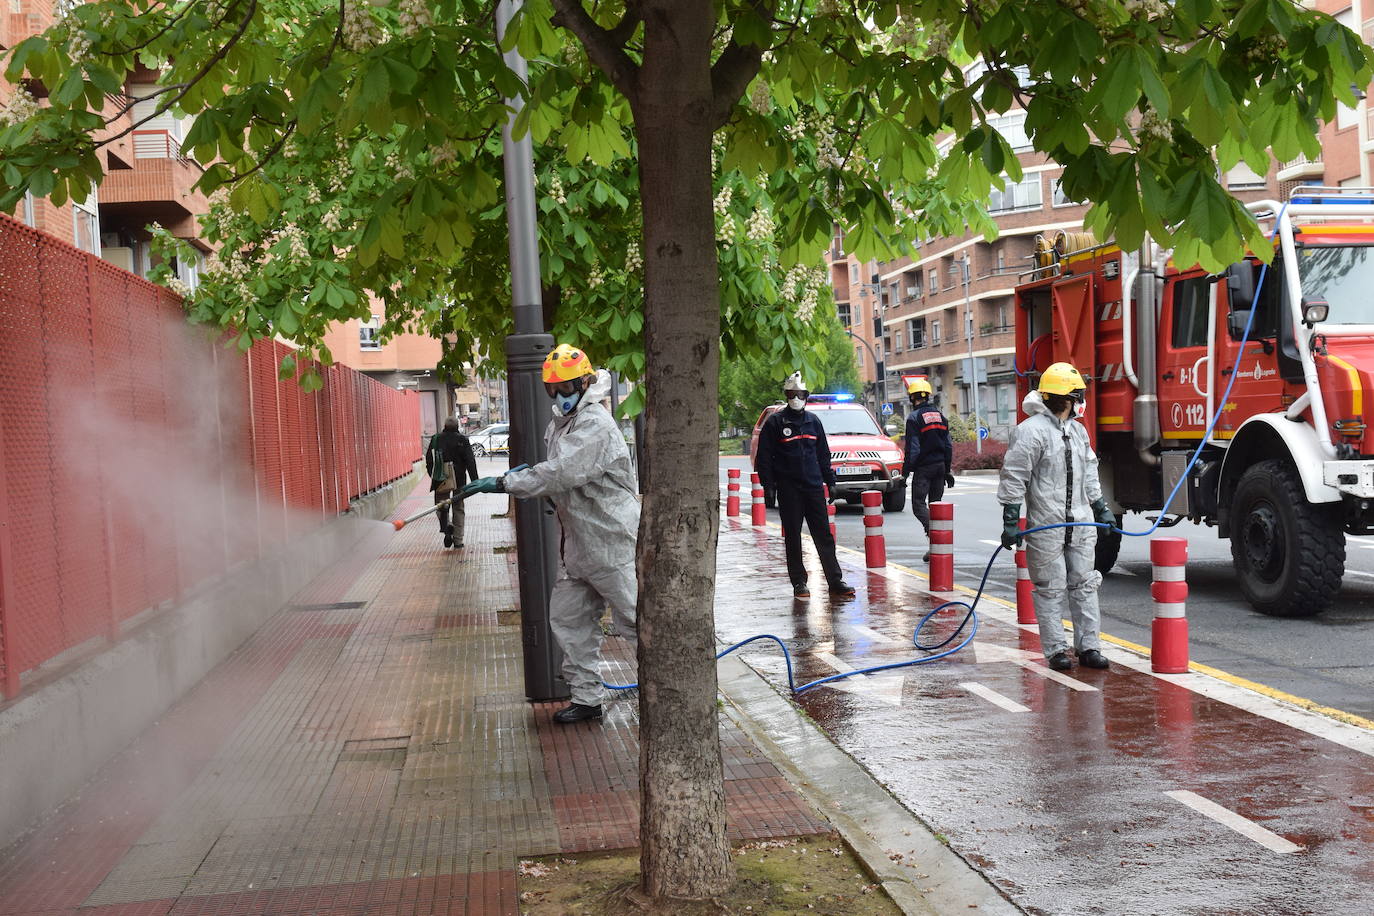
1051,468
590,481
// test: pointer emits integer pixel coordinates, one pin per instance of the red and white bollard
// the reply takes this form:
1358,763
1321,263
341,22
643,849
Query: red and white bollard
1025,591
875,545
942,547
758,511
732,493
830,511
1169,632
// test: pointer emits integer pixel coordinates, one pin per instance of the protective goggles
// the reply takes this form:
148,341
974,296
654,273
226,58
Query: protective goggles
788,395
571,386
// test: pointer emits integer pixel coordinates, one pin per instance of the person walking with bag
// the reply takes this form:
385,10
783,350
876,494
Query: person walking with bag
451,464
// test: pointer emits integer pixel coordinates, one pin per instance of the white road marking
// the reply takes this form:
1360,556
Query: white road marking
874,635
883,689
993,697
991,652
1226,817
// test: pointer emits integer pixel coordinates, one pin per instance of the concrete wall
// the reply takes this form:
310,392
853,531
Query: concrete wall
55,738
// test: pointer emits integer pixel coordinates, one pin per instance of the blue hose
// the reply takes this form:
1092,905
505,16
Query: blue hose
972,616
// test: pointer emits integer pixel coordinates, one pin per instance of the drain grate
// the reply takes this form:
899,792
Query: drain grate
336,606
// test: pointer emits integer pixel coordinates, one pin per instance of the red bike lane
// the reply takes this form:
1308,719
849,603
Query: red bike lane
1114,792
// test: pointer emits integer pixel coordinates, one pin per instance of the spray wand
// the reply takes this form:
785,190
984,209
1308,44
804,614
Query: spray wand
459,495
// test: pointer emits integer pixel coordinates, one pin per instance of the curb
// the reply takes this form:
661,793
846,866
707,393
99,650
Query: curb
922,875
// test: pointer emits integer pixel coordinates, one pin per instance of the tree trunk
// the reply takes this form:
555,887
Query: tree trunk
682,824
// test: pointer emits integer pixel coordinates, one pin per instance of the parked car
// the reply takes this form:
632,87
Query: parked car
491,440
862,456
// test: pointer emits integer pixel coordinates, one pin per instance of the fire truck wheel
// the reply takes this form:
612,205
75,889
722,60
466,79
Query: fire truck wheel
1289,554
1108,548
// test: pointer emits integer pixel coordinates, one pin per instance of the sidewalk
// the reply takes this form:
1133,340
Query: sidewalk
368,751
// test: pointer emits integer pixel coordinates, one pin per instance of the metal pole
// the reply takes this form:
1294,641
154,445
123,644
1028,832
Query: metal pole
972,363
877,404
535,534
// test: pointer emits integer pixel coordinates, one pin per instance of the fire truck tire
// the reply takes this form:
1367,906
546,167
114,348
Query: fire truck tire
1108,548
894,500
1289,554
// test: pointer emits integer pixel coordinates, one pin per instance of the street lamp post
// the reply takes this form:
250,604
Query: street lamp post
877,398
536,536
972,364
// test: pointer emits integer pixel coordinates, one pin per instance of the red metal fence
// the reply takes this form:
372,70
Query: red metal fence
139,458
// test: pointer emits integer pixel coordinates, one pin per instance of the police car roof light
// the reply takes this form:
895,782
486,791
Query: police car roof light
839,398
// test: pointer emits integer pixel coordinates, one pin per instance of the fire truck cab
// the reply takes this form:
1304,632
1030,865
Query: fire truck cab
1287,468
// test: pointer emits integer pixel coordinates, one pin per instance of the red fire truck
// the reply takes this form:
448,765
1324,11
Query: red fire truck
1288,468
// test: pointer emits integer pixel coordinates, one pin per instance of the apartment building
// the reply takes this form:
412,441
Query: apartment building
410,361
146,181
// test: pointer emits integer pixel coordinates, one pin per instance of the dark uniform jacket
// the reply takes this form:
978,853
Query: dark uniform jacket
929,449
793,452
450,445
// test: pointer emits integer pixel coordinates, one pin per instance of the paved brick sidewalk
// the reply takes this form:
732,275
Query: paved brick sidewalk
368,751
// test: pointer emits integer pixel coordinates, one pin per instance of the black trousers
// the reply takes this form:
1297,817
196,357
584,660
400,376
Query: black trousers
795,504
458,514
927,486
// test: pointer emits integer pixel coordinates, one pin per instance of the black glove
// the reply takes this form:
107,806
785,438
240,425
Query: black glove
1011,526
1102,513
949,478
830,496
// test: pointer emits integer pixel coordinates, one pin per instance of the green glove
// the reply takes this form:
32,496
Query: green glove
485,485
1011,525
1102,513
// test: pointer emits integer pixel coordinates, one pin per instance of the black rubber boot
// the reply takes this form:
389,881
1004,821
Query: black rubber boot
1060,661
576,712
1091,658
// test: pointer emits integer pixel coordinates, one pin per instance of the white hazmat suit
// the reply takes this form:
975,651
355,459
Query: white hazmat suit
1051,470
590,481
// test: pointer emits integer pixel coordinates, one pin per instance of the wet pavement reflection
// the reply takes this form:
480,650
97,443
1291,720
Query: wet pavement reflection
1055,785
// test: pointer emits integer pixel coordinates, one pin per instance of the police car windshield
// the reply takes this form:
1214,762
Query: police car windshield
847,421
1340,275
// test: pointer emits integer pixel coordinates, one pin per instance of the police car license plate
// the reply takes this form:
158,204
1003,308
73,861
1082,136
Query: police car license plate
853,470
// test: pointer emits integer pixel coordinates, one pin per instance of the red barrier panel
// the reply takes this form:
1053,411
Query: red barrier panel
140,457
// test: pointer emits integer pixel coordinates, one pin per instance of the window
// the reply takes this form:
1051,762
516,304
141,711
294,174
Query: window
1001,259
853,273
897,341
935,332
842,310
934,276
1058,196
26,210
916,332
367,333
1012,127
1190,312
1022,195
86,225
859,356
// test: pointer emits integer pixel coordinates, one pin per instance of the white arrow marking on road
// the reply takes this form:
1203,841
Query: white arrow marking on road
1225,816
985,653
884,689
993,697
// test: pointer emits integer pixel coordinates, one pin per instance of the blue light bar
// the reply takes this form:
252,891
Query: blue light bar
831,398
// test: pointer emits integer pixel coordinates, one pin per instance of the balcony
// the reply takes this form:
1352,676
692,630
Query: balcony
1301,168
158,188
991,330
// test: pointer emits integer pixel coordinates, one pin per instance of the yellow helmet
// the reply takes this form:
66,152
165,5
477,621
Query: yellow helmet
919,385
1062,378
566,363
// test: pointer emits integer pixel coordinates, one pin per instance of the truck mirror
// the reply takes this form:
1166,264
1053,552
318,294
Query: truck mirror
1314,311
1236,320
1240,286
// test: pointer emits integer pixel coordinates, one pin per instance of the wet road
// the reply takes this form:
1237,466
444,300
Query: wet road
1111,792
1326,659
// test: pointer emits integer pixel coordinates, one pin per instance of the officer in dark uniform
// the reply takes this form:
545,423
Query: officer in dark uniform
793,459
929,454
